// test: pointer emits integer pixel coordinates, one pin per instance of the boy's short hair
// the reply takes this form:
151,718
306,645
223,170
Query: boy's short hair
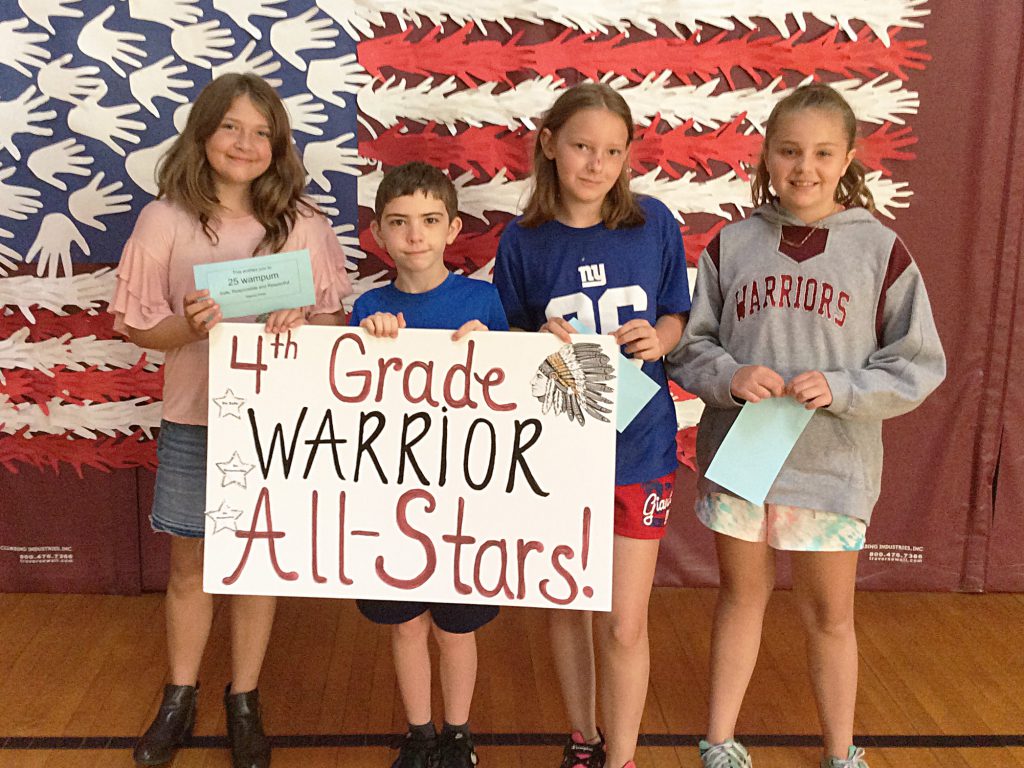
416,177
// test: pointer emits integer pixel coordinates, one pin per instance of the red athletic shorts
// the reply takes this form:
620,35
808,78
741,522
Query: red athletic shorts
641,509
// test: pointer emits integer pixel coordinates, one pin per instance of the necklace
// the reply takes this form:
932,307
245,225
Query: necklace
810,231
813,227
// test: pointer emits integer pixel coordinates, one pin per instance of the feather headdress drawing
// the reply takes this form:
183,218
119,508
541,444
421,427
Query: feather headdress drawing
572,381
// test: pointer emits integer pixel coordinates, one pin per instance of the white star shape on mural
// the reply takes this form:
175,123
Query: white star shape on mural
224,518
229,404
234,471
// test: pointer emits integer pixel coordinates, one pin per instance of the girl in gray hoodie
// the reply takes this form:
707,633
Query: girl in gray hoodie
810,298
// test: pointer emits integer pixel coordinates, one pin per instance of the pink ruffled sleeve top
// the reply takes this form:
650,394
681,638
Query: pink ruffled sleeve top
155,273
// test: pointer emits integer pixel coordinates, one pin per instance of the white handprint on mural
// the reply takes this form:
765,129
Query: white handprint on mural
200,43
9,257
326,203
329,77
290,36
65,156
103,123
322,156
349,242
19,116
357,22
304,112
18,49
241,11
262,64
141,165
16,201
110,45
52,246
92,201
40,11
170,13
71,84
159,80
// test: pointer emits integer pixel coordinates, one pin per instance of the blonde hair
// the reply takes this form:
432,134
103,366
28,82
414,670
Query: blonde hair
852,190
620,207
184,175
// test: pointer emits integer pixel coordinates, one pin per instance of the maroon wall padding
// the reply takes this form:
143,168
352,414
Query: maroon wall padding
1005,565
687,556
940,459
71,535
154,548
960,228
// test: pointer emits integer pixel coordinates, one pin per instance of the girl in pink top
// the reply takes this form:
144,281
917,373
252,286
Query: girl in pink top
231,186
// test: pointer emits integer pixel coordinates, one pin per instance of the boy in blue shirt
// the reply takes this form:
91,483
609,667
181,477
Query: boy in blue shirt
416,216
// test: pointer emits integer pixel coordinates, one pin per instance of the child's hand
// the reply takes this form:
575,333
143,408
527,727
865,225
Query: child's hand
285,320
810,389
640,340
383,324
755,383
560,327
201,312
471,325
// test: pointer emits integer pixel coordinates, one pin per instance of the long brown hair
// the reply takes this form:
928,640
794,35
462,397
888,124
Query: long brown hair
853,189
185,177
620,207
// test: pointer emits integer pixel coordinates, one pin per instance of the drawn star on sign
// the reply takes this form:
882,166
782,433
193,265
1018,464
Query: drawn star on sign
229,404
234,471
224,517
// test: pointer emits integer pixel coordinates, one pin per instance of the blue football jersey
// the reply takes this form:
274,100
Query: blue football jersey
604,278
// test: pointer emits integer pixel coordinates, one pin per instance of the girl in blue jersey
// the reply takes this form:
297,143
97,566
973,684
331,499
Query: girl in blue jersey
587,247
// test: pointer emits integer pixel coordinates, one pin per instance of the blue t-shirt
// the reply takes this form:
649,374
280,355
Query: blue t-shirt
605,278
454,302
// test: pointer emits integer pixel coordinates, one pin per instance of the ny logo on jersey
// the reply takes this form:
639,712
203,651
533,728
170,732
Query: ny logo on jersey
592,275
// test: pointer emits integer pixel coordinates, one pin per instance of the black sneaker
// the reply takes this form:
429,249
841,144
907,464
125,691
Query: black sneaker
579,754
455,750
417,752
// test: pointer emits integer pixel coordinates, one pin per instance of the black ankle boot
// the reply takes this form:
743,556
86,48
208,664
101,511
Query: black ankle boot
250,748
171,726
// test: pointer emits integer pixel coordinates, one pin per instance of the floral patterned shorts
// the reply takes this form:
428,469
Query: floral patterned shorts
785,528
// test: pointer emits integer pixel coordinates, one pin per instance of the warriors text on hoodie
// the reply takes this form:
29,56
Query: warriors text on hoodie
845,299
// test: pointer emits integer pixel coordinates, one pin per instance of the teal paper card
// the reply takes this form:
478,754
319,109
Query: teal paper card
758,444
260,284
636,388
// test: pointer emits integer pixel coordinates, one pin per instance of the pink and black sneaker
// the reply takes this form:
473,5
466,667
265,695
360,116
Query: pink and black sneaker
579,754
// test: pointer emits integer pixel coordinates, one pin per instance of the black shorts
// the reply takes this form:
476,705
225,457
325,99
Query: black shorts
457,618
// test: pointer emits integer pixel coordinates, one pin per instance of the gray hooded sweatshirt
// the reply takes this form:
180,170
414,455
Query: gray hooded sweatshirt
847,301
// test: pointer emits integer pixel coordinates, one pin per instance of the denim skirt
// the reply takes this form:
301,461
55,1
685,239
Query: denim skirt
179,499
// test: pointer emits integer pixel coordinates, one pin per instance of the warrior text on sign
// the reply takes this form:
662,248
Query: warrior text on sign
478,471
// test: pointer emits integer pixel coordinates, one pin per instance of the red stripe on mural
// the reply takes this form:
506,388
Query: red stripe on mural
472,58
48,325
490,147
886,144
55,451
79,387
493,148
696,242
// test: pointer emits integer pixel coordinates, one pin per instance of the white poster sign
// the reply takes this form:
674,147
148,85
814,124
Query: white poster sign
416,468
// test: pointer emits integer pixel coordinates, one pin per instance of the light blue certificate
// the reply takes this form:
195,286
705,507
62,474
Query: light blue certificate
260,284
636,388
757,445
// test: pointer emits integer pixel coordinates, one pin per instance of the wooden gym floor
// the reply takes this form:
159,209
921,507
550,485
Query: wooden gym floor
942,684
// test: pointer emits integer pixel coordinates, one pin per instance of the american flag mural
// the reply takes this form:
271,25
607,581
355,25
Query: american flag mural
91,93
